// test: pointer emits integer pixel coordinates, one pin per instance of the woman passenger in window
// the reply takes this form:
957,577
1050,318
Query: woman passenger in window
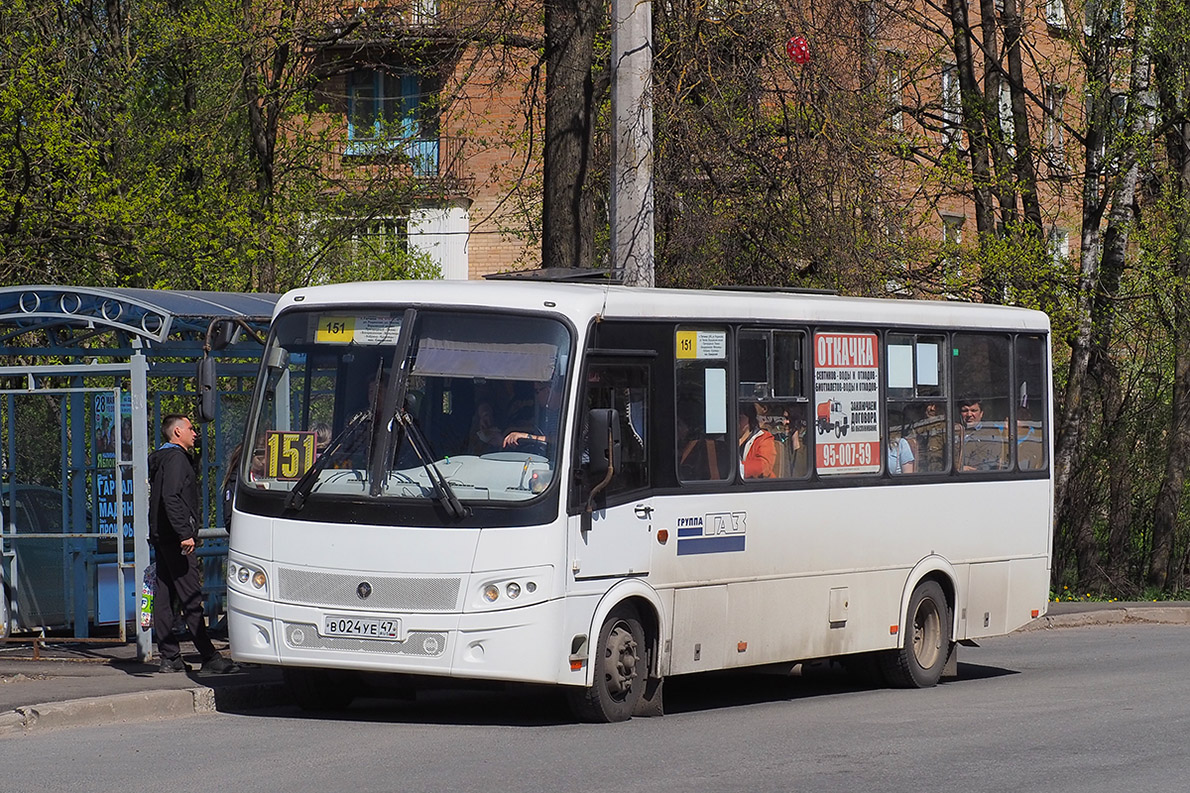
900,455
758,448
930,439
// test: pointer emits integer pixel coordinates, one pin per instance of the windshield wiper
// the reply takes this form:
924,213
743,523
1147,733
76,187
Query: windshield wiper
442,489
382,444
340,446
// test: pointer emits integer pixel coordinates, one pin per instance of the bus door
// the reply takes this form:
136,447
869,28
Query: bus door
616,538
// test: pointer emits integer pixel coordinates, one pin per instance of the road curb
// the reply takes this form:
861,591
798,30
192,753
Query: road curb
97,711
139,706
1165,615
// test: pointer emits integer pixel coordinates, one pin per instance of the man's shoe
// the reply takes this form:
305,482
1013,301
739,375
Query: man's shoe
220,666
175,664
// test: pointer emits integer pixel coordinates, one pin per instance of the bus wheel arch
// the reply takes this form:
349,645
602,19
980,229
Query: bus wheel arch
618,667
927,633
626,630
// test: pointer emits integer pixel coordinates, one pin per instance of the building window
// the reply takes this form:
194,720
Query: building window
1007,124
1111,15
1058,242
1055,14
893,71
388,113
1055,141
952,260
380,237
951,105
423,12
897,272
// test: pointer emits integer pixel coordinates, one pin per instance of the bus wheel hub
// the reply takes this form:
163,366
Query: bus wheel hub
621,652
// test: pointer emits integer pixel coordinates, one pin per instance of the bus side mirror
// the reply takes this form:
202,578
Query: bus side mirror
224,333
603,444
205,382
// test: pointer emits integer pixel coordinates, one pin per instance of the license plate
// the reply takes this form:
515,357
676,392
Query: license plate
386,629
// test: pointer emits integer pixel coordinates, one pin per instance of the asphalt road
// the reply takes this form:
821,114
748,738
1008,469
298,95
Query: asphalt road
1081,709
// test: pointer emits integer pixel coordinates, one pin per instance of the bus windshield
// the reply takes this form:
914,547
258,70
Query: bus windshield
404,404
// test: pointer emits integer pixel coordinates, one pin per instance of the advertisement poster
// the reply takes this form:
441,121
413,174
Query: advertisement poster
106,461
846,392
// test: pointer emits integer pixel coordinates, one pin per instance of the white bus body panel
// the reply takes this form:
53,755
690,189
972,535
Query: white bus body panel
429,579
830,572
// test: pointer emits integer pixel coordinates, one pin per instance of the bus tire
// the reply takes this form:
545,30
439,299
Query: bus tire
319,690
919,663
620,670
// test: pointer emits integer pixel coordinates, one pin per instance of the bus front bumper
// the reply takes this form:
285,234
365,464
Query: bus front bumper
508,644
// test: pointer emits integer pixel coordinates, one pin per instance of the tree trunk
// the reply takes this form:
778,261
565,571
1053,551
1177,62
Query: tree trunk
1086,550
1169,498
1026,172
1068,444
973,119
1120,446
1001,157
568,215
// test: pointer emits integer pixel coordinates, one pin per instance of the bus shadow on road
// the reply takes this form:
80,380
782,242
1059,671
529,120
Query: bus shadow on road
713,690
516,705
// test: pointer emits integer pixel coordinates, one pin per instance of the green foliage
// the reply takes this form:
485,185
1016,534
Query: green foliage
179,148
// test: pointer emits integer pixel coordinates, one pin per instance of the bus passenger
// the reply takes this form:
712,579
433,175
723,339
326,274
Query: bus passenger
930,435
758,448
984,446
900,455
486,436
322,436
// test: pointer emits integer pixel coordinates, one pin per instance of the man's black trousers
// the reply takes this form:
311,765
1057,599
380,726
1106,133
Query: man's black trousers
179,588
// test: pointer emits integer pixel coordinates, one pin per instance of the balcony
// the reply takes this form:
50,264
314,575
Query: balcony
436,163
412,15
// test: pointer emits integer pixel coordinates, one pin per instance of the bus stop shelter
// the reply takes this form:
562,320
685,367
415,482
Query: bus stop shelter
86,375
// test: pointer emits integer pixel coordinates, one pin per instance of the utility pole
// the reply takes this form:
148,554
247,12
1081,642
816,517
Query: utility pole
632,141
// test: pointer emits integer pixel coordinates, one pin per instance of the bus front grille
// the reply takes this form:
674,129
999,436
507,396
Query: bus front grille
420,643
366,591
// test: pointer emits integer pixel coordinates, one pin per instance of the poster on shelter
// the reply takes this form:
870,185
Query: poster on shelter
846,395
109,438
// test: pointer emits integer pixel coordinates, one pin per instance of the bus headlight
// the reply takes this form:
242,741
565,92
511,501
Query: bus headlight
513,588
247,577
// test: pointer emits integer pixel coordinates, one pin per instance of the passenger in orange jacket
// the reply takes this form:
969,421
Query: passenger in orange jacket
758,447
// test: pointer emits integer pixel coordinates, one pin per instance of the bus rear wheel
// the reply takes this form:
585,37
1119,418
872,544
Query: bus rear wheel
919,663
620,670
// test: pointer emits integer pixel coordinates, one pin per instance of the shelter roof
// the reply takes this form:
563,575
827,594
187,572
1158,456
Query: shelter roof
76,318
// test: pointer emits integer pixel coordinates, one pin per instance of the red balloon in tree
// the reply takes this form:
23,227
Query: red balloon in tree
798,50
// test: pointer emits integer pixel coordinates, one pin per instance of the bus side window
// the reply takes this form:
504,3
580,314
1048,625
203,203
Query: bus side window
915,412
1029,402
625,388
983,401
703,443
773,412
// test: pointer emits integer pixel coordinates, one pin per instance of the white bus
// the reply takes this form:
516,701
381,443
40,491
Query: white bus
597,487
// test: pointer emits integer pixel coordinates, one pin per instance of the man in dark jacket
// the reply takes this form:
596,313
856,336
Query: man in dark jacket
173,532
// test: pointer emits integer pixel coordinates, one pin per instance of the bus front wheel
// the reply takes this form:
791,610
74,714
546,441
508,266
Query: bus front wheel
919,663
620,670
